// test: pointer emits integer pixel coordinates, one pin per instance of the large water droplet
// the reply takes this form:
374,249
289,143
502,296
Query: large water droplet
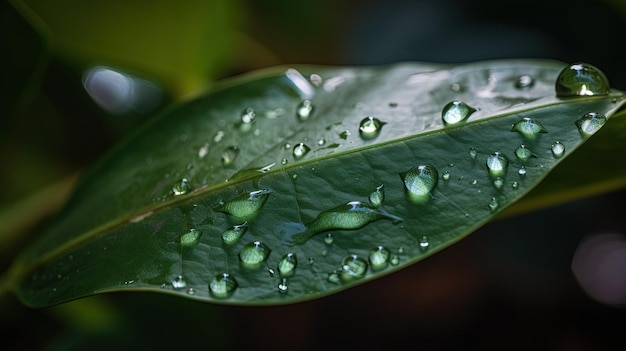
287,265
190,238
353,267
304,110
497,164
523,153
590,123
370,127
300,150
223,286
377,196
352,215
231,235
455,112
581,79
529,127
229,155
379,257
558,149
420,181
245,206
181,187
253,254
179,282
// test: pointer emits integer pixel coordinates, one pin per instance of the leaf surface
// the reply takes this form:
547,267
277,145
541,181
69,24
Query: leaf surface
250,196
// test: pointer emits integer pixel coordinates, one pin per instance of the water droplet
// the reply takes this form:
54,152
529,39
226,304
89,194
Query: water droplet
223,286
370,127
253,254
456,112
515,185
231,235
522,171
329,239
179,282
181,187
493,204
229,155
190,238
218,136
474,182
529,127
445,175
316,79
523,153
590,123
283,287
204,150
321,141
497,164
379,257
394,260
353,267
304,110
311,260
248,116
191,291
498,182
334,278
245,206
287,265
420,181
424,243
558,149
287,146
352,215
300,150
581,79
284,161
473,153
524,82
377,196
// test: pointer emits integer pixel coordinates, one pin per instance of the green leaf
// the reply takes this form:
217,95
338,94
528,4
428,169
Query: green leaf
251,195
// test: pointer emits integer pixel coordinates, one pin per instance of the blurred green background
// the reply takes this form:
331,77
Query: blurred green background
509,285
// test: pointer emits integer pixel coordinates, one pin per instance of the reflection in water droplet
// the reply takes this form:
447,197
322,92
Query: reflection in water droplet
300,150
329,239
352,215
497,164
229,155
223,286
455,112
420,181
370,127
379,257
353,267
590,123
304,110
179,282
287,265
473,153
493,204
253,254
529,127
245,206
581,79
190,238
230,236
424,243
524,82
181,187
558,149
377,196
523,153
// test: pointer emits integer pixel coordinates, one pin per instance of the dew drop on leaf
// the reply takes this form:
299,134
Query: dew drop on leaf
245,206
223,286
282,286
300,150
497,164
232,235
473,153
248,116
524,82
590,123
420,180
529,127
179,282
394,260
523,153
445,175
353,267
493,204
557,149
379,257
181,187
377,196
287,265
253,254
304,110
329,239
581,79
522,171
424,243
456,112
229,155
190,238
498,182
370,127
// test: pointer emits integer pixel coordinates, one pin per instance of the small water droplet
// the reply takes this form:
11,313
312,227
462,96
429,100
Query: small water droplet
515,185
223,286
529,127
344,135
304,110
353,267
204,150
253,254
287,265
424,243
420,180
231,235
474,182
282,286
581,79
179,282
329,239
498,182
522,171
377,196
311,260
493,204
218,136
445,175
284,161
456,112
248,116
300,150
524,82
229,155
401,250
245,206
191,291
379,257
334,278
590,123
370,127
190,238
523,153
558,149
287,146
497,164
394,260
181,187
473,153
